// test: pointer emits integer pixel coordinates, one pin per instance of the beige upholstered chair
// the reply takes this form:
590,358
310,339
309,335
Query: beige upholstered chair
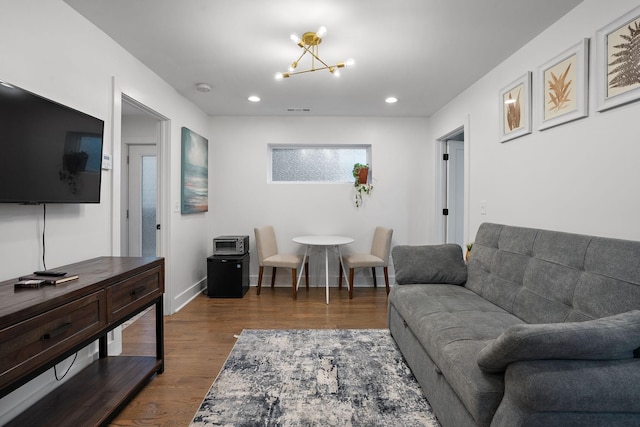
379,257
268,256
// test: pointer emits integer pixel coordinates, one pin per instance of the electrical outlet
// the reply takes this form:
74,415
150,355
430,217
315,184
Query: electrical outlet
483,207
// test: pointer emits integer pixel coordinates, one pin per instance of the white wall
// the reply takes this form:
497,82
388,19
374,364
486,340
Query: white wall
579,177
241,198
51,50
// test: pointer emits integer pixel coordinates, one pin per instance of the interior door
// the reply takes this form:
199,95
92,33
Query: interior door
142,200
455,192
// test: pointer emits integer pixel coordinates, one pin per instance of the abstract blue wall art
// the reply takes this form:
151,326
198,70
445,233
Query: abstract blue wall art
195,173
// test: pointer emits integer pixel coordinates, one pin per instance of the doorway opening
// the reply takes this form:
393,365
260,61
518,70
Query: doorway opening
452,188
141,137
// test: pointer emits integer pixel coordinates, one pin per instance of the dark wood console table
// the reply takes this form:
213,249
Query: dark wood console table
41,327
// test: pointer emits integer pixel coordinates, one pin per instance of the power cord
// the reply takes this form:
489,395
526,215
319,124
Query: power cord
55,370
44,264
44,226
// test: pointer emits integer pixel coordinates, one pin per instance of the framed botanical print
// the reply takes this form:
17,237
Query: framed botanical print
617,64
562,87
515,108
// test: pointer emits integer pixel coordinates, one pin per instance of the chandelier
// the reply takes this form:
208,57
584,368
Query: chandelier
309,44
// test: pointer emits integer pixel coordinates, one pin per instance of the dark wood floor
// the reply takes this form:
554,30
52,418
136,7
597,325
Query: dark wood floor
200,336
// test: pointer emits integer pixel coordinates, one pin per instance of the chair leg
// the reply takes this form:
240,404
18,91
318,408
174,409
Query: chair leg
351,283
306,274
260,270
375,280
340,277
273,277
386,278
294,275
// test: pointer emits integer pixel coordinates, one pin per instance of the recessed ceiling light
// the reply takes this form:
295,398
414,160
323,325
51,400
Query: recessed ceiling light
254,98
391,100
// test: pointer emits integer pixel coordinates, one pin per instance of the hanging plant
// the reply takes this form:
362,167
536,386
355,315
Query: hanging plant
362,187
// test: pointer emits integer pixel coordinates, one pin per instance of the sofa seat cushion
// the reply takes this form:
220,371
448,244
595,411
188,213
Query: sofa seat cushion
453,324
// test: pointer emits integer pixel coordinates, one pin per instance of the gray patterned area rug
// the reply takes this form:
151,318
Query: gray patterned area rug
345,377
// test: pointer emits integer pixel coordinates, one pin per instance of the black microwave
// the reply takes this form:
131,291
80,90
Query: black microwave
231,245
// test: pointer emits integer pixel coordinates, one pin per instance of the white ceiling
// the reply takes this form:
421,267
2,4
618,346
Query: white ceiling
424,52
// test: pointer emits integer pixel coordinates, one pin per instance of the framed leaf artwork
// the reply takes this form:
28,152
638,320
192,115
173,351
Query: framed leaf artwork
515,108
562,87
617,61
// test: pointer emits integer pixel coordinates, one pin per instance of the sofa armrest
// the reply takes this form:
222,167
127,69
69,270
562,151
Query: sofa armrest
608,338
574,385
429,264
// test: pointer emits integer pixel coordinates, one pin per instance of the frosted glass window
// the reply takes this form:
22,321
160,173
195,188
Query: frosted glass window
316,163
149,190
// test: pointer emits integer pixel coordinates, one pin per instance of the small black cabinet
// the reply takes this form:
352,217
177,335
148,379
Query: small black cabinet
227,276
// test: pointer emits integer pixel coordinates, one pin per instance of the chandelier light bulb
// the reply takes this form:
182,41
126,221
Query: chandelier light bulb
321,31
294,37
350,62
279,76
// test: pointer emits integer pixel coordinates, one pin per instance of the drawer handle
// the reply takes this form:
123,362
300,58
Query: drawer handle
58,331
138,290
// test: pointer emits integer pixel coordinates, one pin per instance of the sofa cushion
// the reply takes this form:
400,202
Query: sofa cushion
613,337
429,264
546,276
453,324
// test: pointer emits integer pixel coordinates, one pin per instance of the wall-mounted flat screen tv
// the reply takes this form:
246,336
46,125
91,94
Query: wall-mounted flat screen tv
49,153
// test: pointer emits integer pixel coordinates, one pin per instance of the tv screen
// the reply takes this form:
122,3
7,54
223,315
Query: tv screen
49,153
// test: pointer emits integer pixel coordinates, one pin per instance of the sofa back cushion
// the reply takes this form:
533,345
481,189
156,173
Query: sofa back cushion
546,276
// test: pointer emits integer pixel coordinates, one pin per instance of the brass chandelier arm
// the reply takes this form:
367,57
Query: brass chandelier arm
312,53
328,67
299,58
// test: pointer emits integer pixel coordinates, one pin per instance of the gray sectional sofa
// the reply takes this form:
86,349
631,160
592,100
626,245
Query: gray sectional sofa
540,328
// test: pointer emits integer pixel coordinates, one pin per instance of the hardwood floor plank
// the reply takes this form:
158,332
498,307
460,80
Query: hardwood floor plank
199,337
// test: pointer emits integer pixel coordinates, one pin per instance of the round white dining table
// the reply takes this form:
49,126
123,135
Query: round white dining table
326,242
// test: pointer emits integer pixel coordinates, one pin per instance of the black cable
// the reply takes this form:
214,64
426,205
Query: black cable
44,226
55,371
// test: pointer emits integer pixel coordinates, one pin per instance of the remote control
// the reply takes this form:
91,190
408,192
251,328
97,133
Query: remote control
50,273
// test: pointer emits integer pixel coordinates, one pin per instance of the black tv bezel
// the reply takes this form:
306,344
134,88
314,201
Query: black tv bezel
27,201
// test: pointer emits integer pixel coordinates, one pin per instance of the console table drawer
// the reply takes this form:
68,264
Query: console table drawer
27,345
129,295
